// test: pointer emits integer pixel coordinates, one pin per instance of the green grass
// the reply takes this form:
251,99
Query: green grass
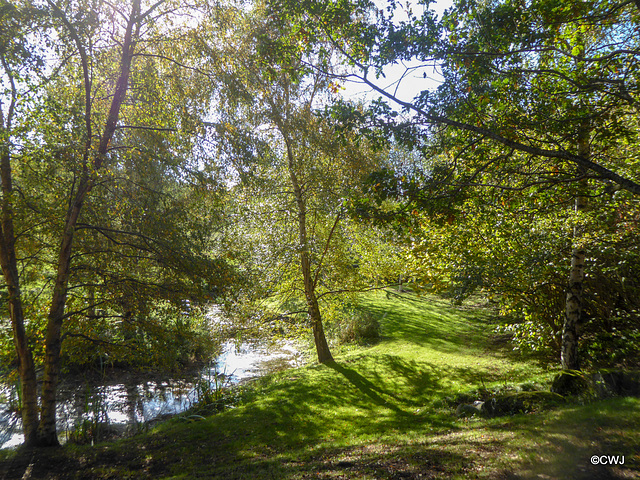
377,412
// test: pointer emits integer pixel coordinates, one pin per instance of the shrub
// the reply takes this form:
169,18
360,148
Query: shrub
358,326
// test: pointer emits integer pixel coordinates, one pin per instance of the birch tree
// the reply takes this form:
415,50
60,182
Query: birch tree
294,172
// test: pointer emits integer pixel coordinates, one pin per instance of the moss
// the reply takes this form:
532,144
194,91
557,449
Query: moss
523,402
573,383
598,385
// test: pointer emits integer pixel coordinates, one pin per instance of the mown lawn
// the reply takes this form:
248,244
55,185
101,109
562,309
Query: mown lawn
379,412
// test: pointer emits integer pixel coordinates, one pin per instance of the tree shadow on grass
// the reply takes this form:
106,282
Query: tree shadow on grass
285,428
368,388
435,326
415,383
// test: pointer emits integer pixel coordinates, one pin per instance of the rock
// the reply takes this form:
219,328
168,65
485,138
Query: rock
523,402
468,410
569,383
609,383
511,404
603,384
573,383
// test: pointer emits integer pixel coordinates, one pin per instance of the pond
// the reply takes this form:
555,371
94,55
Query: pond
128,404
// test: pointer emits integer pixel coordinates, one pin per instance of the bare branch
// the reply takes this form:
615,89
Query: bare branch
326,248
142,127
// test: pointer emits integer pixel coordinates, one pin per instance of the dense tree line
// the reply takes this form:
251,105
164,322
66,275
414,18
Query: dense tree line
103,214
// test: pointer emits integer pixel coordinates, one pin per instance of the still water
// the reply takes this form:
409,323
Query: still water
128,405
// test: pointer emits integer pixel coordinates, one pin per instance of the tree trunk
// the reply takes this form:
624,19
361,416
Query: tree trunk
46,433
573,307
9,264
26,368
569,356
26,372
320,340
322,347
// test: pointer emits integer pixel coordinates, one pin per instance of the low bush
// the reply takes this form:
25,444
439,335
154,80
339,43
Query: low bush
358,326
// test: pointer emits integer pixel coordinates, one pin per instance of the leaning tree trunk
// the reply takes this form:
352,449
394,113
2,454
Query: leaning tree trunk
9,263
47,434
10,272
322,347
26,370
574,303
320,340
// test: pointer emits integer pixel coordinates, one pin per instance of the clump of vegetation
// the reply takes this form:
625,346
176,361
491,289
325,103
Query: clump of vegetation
214,397
349,321
358,326
165,336
94,425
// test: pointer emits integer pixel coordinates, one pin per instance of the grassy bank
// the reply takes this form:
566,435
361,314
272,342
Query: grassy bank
377,412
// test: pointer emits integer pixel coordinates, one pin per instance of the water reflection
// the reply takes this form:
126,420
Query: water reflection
125,407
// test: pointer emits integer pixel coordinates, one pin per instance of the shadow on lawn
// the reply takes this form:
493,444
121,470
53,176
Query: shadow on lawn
302,429
291,435
418,383
563,444
340,400
368,388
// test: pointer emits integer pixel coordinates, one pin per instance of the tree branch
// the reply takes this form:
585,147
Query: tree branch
143,127
562,154
95,340
326,248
